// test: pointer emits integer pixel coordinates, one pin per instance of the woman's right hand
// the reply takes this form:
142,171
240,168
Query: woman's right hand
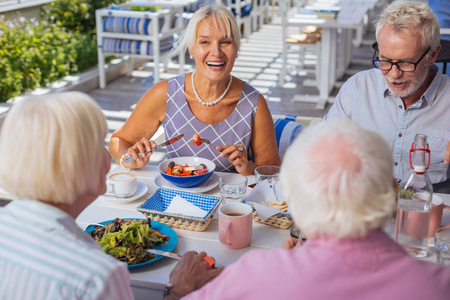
140,147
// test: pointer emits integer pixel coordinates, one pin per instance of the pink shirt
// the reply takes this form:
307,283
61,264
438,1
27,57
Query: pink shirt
374,267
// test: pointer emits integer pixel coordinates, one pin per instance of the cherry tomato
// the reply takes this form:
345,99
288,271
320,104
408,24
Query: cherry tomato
197,140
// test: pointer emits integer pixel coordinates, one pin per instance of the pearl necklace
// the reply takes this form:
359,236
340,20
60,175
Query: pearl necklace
215,101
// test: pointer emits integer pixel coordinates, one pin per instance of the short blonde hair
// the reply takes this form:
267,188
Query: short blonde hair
223,20
51,147
409,17
337,178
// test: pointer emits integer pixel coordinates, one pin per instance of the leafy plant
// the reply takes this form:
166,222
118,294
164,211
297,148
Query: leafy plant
75,15
33,54
36,53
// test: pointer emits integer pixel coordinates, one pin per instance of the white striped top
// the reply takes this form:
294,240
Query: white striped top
45,255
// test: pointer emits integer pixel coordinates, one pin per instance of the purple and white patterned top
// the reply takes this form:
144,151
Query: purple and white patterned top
235,129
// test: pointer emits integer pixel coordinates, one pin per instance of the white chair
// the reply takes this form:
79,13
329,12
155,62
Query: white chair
259,13
138,34
242,12
307,42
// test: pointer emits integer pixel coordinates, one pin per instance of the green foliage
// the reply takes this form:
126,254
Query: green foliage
34,54
75,15
145,8
86,52
11,82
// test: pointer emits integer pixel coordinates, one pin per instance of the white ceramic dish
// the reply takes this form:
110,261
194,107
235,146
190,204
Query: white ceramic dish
140,191
206,186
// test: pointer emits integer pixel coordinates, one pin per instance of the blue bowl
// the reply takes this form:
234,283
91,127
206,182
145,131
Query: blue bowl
187,181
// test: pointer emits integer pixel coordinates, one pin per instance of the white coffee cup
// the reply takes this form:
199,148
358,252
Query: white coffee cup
122,184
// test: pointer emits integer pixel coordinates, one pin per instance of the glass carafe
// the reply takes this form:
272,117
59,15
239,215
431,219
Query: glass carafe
414,201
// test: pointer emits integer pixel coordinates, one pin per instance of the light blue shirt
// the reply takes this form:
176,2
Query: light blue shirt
366,99
45,255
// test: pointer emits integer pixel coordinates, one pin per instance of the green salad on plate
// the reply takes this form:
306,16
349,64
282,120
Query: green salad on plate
127,240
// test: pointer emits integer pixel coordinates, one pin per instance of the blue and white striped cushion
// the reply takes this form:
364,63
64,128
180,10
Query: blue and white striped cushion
129,25
135,47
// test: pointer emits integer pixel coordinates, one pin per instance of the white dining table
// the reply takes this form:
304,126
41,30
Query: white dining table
148,281
335,48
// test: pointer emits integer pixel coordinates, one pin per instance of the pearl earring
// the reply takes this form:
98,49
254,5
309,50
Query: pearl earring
191,56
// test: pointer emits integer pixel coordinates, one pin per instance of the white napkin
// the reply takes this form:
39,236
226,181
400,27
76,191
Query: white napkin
264,211
5,195
178,205
262,193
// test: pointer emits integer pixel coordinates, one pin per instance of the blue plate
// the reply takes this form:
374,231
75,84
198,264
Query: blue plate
163,228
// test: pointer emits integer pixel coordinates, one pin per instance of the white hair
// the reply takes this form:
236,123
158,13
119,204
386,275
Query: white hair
337,178
51,147
223,20
410,17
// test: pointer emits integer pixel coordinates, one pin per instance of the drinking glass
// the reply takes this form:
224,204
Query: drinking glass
233,188
267,172
441,244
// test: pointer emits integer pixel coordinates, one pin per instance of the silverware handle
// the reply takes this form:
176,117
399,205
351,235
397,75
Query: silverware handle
131,158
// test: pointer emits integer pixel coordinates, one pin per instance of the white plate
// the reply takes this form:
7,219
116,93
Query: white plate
208,185
140,191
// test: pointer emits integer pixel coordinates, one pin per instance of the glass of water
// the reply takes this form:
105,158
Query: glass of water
233,188
442,245
269,173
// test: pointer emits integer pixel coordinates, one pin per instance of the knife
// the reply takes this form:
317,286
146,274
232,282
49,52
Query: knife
211,262
163,144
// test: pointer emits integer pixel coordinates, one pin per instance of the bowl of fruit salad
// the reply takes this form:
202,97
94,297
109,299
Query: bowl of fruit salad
186,171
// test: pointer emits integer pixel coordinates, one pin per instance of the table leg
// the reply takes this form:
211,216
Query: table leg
344,52
326,67
333,59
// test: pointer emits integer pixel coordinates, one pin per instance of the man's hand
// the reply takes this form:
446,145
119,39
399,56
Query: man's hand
447,154
290,243
191,273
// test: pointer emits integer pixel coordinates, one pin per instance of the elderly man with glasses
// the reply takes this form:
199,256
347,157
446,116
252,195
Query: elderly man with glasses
406,93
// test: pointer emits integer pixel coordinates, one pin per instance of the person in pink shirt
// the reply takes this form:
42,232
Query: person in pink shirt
337,178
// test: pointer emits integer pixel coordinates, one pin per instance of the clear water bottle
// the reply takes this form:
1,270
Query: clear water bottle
414,201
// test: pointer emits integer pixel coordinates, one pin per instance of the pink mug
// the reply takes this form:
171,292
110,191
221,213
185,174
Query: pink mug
414,221
235,225
436,215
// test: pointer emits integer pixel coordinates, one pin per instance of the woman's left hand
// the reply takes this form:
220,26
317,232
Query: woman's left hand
237,155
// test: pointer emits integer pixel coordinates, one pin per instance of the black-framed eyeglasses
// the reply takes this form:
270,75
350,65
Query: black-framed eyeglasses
402,66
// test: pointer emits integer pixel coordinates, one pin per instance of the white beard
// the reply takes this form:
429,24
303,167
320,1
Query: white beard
413,87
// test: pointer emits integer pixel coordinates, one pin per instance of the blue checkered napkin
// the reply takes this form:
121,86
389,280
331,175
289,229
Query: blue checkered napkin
160,200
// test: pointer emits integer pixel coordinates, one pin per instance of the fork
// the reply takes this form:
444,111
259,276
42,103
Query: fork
95,224
208,142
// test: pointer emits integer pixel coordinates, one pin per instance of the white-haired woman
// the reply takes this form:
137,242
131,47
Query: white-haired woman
337,179
53,160
209,101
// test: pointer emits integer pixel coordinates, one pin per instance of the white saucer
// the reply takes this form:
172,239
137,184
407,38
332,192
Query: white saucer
208,185
140,191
